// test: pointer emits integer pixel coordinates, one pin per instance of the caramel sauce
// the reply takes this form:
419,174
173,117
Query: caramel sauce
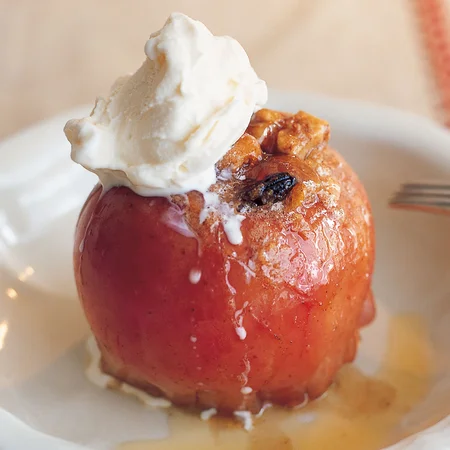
358,411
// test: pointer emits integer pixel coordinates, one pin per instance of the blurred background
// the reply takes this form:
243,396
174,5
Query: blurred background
55,54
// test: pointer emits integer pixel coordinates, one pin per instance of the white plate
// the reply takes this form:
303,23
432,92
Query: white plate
42,327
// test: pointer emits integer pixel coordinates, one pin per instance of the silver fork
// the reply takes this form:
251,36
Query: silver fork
427,197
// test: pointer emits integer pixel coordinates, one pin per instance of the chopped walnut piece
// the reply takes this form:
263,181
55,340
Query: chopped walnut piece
263,121
264,126
245,151
297,134
301,134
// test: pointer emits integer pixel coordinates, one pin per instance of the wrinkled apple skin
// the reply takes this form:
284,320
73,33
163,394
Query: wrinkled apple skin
300,280
180,311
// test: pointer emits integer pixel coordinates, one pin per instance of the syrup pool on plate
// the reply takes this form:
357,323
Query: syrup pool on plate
358,411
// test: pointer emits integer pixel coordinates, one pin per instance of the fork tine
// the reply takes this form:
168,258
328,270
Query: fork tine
425,186
421,207
428,197
423,194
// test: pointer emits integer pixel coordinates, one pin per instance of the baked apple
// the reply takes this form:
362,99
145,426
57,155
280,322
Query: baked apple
252,292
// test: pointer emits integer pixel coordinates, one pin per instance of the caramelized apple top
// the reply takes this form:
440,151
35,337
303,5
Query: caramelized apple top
280,166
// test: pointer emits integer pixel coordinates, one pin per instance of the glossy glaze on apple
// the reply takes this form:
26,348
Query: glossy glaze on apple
180,311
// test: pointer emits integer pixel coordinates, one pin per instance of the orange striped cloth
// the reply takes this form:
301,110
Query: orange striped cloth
434,23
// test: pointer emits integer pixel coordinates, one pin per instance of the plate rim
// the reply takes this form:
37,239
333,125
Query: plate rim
420,134
356,116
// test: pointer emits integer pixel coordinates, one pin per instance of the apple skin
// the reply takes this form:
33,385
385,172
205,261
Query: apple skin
300,283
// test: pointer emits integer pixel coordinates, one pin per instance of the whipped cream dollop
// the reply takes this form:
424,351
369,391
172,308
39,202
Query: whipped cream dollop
162,129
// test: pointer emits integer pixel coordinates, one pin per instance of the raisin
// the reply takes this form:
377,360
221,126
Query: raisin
274,188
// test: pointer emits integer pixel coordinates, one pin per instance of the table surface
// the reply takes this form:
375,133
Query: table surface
60,53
